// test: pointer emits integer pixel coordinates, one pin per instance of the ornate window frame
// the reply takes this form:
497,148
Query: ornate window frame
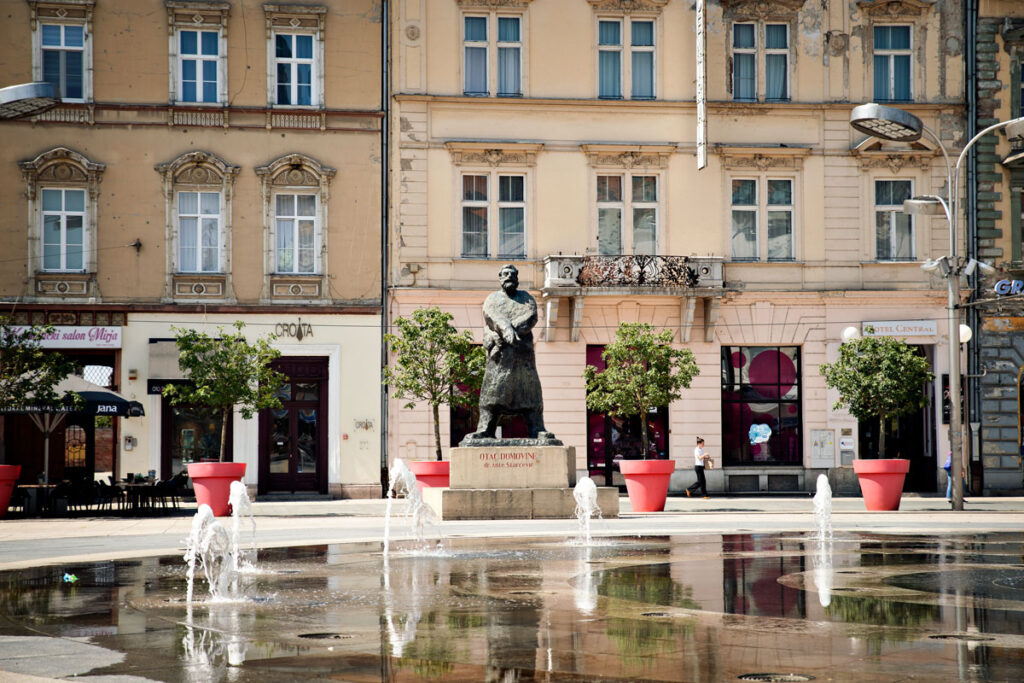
913,13
197,172
625,12
627,161
197,16
493,159
296,20
760,13
62,168
64,12
294,174
763,164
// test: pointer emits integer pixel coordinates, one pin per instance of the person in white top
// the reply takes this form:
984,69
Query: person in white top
699,460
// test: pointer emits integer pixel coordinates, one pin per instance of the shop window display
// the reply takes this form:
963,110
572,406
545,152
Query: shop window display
761,386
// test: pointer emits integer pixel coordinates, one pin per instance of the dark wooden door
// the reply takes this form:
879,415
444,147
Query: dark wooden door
293,438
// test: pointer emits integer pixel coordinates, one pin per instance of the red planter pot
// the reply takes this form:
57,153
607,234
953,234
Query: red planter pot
212,483
8,478
647,483
881,482
430,473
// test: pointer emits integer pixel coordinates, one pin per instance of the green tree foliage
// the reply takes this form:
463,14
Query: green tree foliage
226,371
432,360
29,373
879,377
643,371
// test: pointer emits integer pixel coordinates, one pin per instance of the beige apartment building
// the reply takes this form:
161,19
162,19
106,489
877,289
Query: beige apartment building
210,161
562,136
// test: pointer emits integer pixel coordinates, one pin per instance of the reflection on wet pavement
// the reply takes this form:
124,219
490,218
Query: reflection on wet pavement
707,608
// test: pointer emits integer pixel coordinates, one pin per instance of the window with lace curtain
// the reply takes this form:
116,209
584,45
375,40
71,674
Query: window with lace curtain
492,50
894,229
760,62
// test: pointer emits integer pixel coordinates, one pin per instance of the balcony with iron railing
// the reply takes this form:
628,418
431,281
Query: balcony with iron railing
575,277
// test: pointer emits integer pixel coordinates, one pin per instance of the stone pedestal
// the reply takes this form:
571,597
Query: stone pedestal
513,482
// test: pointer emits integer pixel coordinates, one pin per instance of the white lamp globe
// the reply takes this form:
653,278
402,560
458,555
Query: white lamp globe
851,333
965,333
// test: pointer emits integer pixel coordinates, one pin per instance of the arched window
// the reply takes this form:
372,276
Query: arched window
62,186
197,192
295,192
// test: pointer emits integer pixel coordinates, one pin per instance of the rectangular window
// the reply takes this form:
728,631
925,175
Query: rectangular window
479,204
296,226
511,216
63,52
744,62
780,220
894,229
776,62
295,69
766,202
892,64
474,216
761,387
642,56
744,220
475,56
639,207
63,216
510,62
199,65
609,59
609,215
625,66
199,232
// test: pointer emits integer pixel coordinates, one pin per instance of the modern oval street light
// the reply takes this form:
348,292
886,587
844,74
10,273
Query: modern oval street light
27,99
897,125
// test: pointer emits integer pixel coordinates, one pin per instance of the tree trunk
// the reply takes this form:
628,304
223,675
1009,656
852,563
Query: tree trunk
225,413
437,433
881,436
643,435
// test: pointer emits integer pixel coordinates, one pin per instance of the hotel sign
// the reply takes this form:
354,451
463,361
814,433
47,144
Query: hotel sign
899,328
1009,287
79,337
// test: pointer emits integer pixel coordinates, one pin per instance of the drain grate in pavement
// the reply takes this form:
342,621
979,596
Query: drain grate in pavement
967,637
326,636
776,677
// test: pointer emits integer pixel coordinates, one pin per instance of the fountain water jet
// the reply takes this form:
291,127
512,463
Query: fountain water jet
401,481
209,547
241,505
585,493
823,559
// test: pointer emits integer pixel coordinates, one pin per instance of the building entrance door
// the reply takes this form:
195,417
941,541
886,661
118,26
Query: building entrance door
293,438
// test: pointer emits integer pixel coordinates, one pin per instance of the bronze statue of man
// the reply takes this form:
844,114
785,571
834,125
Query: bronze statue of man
510,385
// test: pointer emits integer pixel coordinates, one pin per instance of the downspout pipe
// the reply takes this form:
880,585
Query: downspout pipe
384,227
971,84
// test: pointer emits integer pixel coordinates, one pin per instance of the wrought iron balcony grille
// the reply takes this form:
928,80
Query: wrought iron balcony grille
637,270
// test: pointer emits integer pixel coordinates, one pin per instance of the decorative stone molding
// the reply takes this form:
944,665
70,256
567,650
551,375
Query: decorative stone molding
200,171
873,154
289,17
628,156
62,166
199,286
64,285
61,10
197,15
198,168
493,154
289,173
762,159
492,4
894,9
761,10
652,6
295,170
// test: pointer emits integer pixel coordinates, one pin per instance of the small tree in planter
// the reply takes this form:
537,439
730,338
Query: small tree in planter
643,371
878,377
226,371
432,360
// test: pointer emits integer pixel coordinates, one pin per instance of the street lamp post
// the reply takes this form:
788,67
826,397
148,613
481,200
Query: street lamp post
897,125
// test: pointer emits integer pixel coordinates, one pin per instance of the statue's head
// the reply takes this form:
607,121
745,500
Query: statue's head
508,276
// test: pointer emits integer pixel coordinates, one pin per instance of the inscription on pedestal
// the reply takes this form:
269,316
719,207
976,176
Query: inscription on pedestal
513,467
